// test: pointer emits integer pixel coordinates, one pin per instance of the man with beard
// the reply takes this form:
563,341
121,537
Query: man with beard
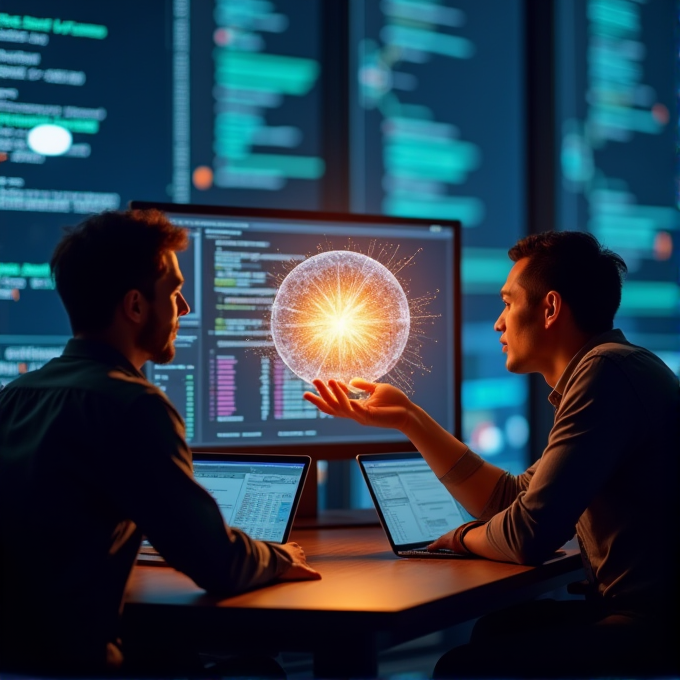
93,456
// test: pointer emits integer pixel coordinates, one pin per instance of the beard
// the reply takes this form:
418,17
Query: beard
157,340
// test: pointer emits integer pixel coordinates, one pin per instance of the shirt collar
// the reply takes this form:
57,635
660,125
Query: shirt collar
99,351
614,335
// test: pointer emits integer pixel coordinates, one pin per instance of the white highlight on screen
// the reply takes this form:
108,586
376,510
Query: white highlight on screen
49,140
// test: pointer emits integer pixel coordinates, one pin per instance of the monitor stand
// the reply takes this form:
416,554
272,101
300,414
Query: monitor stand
309,516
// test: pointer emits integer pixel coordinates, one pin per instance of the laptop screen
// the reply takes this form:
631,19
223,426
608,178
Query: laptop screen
414,506
255,494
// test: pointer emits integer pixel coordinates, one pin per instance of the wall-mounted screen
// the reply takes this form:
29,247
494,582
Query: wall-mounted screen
248,103
85,124
617,122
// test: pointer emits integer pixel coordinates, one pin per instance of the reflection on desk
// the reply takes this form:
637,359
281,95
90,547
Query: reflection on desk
368,600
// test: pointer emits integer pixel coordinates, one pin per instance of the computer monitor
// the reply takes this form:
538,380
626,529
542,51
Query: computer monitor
227,380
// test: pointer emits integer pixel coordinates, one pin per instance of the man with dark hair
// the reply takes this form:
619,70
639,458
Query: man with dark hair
92,456
609,473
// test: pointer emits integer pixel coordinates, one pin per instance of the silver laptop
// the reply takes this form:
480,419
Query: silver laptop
414,507
257,493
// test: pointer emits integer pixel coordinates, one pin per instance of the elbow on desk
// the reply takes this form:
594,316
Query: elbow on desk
217,585
525,537
227,579
213,576
527,550
532,552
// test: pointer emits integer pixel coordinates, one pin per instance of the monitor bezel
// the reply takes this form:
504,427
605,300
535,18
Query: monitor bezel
344,450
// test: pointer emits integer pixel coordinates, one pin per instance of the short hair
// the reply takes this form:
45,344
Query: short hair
97,262
588,276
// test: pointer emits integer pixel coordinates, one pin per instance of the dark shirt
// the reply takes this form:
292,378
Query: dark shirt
92,456
610,473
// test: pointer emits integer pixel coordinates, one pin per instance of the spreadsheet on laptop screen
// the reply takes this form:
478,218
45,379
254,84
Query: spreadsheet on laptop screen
257,498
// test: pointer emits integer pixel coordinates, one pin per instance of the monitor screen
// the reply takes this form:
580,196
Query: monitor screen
249,108
227,379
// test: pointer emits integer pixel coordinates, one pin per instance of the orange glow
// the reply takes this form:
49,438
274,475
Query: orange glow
341,315
202,177
663,246
661,114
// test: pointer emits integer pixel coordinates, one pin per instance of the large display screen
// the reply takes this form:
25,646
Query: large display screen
227,379
248,103
437,131
85,124
617,122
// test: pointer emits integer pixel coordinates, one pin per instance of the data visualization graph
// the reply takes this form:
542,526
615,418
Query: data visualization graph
617,127
256,111
436,130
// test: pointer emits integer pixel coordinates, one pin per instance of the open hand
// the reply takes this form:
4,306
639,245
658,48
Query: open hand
385,406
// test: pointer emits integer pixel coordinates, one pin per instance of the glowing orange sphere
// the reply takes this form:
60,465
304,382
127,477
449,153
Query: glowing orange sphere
340,315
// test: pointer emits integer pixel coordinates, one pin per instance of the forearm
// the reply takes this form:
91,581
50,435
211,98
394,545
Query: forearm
476,542
438,447
443,452
248,564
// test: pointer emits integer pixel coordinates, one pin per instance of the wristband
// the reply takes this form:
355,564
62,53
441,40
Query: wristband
458,535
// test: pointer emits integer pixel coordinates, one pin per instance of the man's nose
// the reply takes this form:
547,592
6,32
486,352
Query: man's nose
183,306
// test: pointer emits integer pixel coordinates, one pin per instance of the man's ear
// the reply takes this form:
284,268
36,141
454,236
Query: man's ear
134,306
553,307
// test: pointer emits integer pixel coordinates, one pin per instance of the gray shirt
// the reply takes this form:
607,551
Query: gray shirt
609,473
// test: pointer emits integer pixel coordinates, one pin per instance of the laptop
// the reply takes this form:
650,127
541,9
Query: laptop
414,507
257,493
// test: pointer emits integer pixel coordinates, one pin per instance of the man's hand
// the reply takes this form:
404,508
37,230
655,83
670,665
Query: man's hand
445,542
299,570
469,538
386,405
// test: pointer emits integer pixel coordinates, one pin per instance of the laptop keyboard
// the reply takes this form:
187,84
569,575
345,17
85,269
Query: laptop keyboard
438,554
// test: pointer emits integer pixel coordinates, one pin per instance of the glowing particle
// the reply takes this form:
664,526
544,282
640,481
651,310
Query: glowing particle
341,315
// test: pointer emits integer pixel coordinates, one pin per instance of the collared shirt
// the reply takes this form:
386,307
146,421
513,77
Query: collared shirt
609,473
92,456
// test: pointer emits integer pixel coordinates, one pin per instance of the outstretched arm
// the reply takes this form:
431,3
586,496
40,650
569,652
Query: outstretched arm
387,406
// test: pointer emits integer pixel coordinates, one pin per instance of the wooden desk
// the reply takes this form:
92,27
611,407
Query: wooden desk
368,600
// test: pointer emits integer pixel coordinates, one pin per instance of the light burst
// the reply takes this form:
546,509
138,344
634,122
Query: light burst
340,314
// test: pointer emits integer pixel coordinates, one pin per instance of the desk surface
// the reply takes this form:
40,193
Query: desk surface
374,598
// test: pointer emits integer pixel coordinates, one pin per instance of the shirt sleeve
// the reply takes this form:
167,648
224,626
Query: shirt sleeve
151,478
584,448
504,493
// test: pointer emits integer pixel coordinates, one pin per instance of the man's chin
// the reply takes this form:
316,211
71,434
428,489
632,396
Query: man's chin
165,356
517,367
511,365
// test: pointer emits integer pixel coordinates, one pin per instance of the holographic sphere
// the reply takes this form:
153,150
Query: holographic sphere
340,315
